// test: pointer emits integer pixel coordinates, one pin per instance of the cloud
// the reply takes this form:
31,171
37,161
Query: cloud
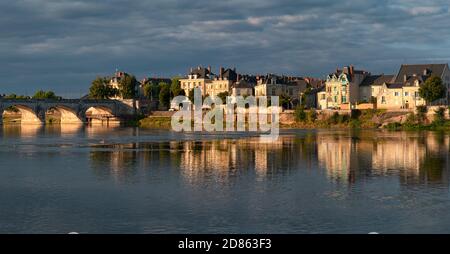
62,45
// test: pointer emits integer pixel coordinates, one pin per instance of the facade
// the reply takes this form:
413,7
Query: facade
242,88
403,91
273,85
223,83
199,77
342,87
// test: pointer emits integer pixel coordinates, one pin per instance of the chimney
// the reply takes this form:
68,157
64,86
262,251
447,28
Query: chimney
192,69
405,78
351,70
209,68
221,70
238,77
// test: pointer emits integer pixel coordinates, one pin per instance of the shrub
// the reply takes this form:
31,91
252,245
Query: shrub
312,115
355,123
393,126
439,116
421,111
300,114
334,119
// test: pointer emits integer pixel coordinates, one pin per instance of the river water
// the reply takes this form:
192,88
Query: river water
59,179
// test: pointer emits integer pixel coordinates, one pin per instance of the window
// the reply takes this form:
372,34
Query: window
344,99
416,94
406,93
383,100
322,97
273,91
395,93
335,99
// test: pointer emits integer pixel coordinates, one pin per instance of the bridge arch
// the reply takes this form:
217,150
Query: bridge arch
28,115
66,114
100,115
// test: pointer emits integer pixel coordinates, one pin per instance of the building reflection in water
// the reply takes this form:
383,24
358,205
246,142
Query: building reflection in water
414,157
345,157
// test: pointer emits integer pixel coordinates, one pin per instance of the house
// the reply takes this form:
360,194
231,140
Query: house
370,86
342,87
402,92
243,87
222,83
198,77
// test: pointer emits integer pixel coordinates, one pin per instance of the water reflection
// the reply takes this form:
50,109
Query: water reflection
344,157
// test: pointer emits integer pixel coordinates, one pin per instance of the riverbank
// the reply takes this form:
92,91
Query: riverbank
358,119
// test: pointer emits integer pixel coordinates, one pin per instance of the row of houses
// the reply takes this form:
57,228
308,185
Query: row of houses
348,87
343,89
234,84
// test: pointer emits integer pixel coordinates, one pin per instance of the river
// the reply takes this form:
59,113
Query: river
59,179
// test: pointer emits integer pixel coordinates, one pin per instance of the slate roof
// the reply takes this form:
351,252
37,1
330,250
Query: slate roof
230,74
418,69
376,80
394,85
201,72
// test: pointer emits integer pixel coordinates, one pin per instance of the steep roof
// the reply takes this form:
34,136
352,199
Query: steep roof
419,69
376,80
243,84
201,72
394,85
230,74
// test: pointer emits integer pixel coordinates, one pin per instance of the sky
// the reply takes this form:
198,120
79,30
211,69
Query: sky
63,45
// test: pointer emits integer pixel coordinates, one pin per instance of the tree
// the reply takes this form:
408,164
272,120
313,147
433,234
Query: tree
439,116
17,97
175,88
127,86
100,89
164,94
191,95
300,114
151,90
44,95
223,96
432,89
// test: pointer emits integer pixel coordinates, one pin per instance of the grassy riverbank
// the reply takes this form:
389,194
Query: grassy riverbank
155,122
358,119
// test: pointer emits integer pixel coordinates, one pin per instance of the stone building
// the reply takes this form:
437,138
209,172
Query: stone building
342,87
402,92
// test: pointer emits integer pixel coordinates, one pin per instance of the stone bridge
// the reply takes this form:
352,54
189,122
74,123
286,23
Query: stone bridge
33,111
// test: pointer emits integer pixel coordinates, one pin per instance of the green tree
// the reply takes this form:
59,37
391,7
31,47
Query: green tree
175,87
151,90
127,86
432,89
300,114
191,95
312,115
44,95
223,96
164,94
439,116
100,89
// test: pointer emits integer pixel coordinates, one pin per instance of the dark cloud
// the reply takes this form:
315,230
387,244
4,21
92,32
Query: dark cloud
62,45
